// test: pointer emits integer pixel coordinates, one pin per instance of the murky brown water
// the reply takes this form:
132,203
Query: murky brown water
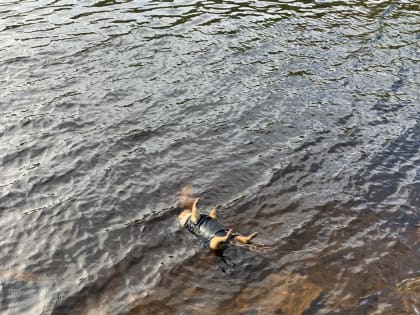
300,117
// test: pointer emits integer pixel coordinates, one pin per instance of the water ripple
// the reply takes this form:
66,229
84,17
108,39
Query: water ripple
299,117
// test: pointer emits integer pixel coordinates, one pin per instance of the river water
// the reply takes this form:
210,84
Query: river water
301,118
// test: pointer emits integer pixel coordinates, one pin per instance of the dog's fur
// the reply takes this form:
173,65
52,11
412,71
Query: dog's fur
190,211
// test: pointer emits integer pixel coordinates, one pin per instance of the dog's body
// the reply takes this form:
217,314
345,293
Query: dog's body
206,226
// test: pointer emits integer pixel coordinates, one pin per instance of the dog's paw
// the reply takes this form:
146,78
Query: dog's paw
252,236
229,233
196,201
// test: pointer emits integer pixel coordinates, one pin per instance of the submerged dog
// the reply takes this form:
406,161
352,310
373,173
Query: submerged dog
206,226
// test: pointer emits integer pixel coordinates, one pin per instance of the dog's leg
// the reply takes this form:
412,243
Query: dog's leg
218,241
195,215
245,239
213,212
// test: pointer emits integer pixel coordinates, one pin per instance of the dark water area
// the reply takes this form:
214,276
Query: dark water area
301,118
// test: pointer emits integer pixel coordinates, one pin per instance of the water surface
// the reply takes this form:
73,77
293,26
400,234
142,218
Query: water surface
300,117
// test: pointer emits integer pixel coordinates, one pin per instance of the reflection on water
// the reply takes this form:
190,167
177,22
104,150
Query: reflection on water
277,294
300,117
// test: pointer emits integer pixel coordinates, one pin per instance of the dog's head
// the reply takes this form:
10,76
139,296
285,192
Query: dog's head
186,201
186,198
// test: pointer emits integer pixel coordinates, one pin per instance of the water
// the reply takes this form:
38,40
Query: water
300,117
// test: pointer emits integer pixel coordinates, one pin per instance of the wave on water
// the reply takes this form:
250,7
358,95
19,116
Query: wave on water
300,118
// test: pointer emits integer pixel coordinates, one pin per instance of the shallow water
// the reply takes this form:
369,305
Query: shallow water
300,117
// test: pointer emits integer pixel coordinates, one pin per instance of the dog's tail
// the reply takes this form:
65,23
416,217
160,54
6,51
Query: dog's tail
186,198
